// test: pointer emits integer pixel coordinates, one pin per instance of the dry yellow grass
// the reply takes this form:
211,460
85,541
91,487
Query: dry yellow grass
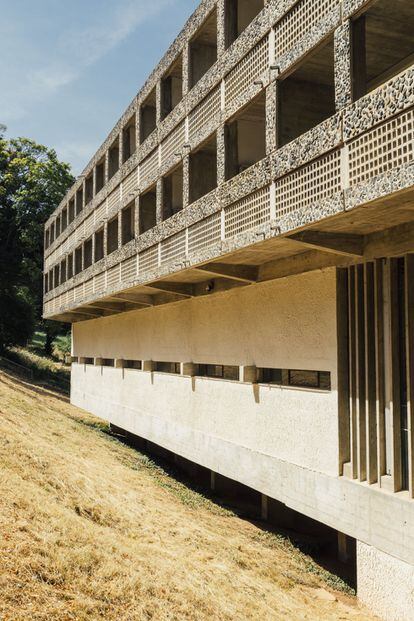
90,530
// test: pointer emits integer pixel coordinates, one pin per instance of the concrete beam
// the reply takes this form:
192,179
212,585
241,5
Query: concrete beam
134,298
241,273
346,244
178,289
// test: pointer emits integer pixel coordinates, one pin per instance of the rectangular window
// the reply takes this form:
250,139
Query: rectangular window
219,371
128,224
167,367
310,379
108,362
133,364
112,235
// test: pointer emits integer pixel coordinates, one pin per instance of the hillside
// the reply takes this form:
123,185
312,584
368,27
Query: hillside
91,529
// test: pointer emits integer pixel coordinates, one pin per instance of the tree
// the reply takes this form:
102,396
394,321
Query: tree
32,183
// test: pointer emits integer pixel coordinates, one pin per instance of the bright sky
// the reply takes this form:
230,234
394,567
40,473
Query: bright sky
69,68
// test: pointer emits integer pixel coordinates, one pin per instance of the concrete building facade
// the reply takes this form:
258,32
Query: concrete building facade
237,264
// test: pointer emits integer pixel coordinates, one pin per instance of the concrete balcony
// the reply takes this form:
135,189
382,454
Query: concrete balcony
327,198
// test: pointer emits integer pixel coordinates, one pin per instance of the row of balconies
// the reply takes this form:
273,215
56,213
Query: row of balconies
168,91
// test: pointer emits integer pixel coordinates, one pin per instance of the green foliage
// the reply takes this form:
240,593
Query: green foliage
32,183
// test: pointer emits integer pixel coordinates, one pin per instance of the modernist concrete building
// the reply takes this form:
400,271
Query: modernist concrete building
236,264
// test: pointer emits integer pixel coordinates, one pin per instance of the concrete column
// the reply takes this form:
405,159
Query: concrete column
221,156
106,170
212,481
147,365
105,239
221,28
265,508
188,368
158,112
248,374
136,216
119,363
186,69
120,228
186,181
121,148
343,555
160,199
343,65
271,117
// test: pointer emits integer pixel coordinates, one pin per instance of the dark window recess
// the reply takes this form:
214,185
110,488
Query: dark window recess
108,362
167,367
112,236
172,200
289,377
128,224
271,376
238,15
52,232
147,210
87,253
51,281
129,139
203,169
113,159
99,245
64,219
79,201
219,371
172,87
100,176
71,210
133,364
47,238
307,96
88,361
88,189
56,277
62,272
203,49
383,44
148,116
70,266
310,379
58,226
78,260
245,137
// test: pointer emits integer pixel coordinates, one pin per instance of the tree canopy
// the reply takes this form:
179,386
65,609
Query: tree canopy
32,183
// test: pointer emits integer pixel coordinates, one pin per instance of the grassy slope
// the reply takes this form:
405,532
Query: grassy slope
91,529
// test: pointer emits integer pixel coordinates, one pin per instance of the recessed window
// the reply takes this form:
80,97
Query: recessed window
167,367
203,169
71,210
88,189
307,96
64,218
79,201
172,87
58,226
148,115
310,379
62,272
383,44
99,245
100,175
245,137
87,253
78,260
70,265
270,376
203,49
128,223
147,210
87,360
129,139
238,15
112,235
47,238
218,371
172,197
133,364
113,158
108,362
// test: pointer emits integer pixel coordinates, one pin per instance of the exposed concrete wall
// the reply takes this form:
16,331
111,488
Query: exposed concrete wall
385,583
287,324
